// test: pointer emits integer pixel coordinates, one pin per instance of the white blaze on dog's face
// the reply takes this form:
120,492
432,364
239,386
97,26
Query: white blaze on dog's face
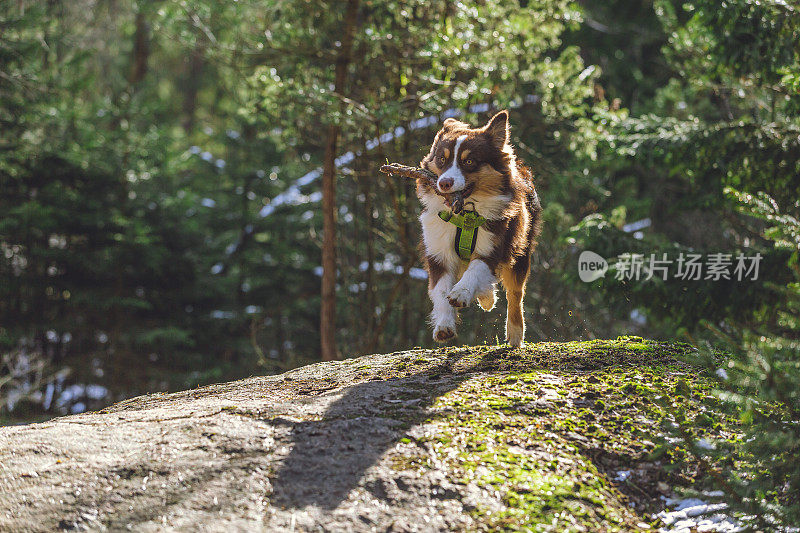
479,159
452,179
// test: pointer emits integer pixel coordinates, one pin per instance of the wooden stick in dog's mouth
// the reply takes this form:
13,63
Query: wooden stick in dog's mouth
453,200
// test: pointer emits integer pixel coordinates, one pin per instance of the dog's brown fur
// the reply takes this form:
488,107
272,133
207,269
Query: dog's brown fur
504,193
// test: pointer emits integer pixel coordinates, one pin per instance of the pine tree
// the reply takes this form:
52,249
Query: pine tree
759,380
723,132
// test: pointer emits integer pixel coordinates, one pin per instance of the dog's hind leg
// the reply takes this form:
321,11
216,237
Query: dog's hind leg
515,323
514,280
488,299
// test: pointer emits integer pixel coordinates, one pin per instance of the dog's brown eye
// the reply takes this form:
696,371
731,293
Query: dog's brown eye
468,162
441,160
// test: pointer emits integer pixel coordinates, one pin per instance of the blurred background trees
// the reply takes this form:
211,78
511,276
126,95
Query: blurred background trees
712,158
161,168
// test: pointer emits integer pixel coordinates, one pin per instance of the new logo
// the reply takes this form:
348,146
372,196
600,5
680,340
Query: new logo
591,266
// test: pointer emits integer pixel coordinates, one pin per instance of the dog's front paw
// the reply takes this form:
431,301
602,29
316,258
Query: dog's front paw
460,296
443,333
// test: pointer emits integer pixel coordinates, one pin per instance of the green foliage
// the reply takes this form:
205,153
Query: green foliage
751,39
722,118
719,146
758,469
624,38
143,143
783,229
758,379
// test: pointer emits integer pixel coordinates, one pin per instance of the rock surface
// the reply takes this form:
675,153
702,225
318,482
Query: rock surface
423,440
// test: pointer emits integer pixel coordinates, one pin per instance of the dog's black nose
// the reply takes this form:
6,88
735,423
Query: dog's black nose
445,184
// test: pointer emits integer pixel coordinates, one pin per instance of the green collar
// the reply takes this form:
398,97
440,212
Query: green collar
467,225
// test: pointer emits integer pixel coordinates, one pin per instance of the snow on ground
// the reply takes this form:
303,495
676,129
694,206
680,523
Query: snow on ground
693,514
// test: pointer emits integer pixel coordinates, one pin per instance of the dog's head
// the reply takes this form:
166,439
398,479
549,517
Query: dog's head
477,160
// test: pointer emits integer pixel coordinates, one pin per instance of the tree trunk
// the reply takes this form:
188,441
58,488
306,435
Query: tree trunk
370,243
141,50
327,323
194,79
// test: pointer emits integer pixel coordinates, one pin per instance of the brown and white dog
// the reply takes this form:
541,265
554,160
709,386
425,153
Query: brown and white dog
481,161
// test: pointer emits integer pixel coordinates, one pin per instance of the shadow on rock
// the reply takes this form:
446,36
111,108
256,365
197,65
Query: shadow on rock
330,456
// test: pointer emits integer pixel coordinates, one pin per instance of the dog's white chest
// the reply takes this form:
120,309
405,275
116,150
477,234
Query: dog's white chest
439,238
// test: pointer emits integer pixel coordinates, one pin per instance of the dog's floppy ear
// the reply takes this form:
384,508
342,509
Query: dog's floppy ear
497,129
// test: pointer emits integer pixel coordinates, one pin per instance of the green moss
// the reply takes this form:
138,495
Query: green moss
546,427
546,432
410,462
558,495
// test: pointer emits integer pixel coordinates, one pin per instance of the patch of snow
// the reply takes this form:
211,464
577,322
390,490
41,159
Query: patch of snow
694,514
96,392
48,397
418,273
622,475
452,113
638,318
345,159
423,122
705,444
637,226
389,264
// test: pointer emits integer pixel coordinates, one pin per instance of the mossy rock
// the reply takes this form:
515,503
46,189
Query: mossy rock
466,438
